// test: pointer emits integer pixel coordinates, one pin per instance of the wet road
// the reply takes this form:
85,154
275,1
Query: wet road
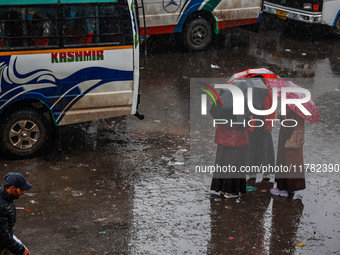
125,186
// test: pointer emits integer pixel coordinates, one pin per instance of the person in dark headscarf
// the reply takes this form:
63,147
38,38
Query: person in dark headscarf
290,154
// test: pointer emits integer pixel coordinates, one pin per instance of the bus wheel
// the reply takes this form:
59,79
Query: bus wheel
24,133
198,34
336,28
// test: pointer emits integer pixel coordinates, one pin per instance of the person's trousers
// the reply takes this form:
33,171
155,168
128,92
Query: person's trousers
5,252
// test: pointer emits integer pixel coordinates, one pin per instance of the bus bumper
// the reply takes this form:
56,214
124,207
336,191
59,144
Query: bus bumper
294,14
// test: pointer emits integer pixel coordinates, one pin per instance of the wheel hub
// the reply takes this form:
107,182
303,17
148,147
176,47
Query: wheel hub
24,134
198,35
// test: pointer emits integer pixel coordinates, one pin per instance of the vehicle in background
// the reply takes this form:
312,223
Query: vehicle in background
64,62
326,12
197,20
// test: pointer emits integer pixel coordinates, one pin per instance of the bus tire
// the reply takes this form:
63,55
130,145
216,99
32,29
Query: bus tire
336,28
24,133
198,34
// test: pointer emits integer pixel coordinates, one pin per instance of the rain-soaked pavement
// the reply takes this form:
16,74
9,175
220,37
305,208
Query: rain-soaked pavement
124,186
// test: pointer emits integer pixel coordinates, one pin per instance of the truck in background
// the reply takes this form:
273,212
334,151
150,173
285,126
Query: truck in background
197,20
325,12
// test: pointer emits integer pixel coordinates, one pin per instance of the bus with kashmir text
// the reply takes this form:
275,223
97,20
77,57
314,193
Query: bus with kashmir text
64,62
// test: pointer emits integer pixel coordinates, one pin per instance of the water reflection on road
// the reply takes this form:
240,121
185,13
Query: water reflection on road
125,186
174,211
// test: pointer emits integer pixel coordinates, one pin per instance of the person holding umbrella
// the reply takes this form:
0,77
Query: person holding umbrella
291,141
232,140
231,149
290,153
260,150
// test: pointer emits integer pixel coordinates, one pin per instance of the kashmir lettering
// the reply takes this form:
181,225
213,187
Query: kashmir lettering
77,56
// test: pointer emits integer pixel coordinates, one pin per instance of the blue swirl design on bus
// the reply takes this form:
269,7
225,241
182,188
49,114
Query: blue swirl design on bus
58,94
187,9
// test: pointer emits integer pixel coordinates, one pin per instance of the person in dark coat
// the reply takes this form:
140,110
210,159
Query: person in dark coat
16,185
260,151
290,154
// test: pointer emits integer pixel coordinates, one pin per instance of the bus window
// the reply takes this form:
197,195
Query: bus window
26,27
98,24
109,24
11,19
2,34
78,24
41,28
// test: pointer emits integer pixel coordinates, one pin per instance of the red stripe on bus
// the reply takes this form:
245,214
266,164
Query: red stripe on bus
234,23
158,30
170,29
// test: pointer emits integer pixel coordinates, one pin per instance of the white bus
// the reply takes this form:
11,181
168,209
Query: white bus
326,12
197,20
64,62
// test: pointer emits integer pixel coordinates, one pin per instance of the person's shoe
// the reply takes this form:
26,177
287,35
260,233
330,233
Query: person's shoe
278,192
252,177
274,191
266,178
231,195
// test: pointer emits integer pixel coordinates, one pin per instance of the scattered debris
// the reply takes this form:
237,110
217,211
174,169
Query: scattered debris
77,193
30,194
176,163
183,149
103,219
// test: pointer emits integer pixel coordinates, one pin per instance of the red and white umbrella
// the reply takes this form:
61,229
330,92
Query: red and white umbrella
310,105
251,73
